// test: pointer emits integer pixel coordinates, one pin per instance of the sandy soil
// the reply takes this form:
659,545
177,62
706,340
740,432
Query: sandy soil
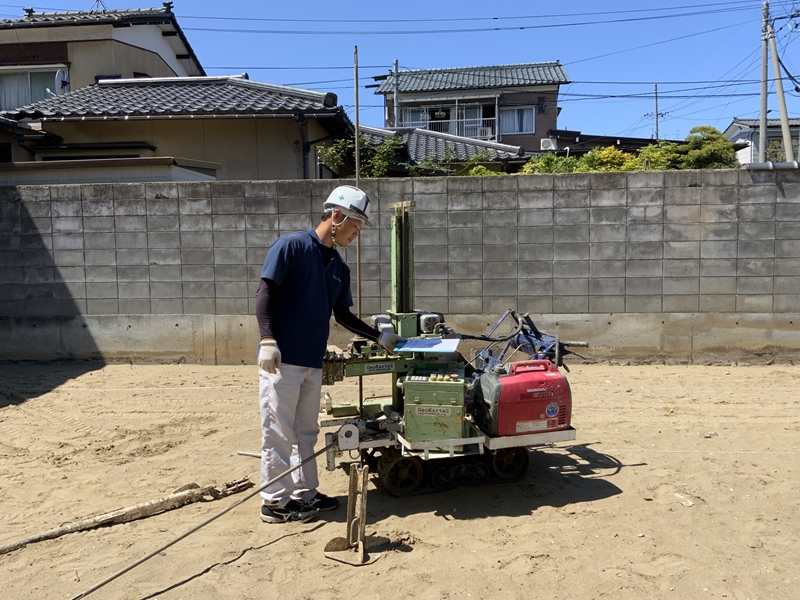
684,482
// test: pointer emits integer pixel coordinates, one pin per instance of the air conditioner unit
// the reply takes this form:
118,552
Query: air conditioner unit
485,133
548,144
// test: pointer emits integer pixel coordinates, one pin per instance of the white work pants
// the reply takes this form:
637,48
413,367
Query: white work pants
289,404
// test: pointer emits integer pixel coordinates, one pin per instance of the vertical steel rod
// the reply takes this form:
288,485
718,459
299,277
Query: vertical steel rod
358,237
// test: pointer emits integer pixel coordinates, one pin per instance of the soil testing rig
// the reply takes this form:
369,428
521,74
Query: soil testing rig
449,420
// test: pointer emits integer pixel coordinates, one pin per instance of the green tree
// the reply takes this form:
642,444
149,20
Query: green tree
589,162
549,163
609,158
660,156
430,165
482,171
375,160
775,151
450,164
706,148
474,165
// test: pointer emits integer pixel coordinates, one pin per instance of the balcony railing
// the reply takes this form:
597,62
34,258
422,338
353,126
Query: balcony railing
480,129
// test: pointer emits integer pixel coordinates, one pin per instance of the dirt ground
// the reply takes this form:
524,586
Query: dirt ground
683,483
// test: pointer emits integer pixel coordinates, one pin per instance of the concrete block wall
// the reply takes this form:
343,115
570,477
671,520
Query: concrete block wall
643,243
160,248
599,243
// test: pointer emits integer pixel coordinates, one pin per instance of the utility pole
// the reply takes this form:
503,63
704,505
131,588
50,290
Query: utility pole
396,94
762,123
656,114
655,93
776,68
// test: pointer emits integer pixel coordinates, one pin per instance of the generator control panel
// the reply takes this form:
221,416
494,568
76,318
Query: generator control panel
433,377
435,373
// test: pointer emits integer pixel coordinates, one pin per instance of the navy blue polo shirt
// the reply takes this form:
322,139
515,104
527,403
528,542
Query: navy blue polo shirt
312,280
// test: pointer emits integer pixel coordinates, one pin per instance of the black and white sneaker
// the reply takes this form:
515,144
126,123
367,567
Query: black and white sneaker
293,512
321,502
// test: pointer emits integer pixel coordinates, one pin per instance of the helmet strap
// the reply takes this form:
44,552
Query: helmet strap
334,225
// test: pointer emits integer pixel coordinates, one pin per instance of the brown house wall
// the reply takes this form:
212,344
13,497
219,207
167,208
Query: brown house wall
247,149
544,121
35,53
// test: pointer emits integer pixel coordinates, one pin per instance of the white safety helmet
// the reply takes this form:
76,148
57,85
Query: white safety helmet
351,201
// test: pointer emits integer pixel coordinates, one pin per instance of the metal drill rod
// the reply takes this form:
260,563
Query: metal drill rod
407,301
135,564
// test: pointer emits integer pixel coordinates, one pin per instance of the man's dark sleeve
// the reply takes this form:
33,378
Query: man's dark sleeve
352,323
264,295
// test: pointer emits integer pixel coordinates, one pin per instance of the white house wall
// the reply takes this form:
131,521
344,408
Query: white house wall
150,38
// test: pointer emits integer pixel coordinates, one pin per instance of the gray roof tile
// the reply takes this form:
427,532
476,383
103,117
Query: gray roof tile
793,122
472,78
123,16
423,144
173,96
13,126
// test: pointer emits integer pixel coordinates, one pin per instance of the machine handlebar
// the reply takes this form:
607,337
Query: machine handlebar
576,344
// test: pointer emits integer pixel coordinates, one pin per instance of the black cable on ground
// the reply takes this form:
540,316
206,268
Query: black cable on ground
197,527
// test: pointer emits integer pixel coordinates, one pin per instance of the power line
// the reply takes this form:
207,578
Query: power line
464,30
780,58
349,67
754,58
581,97
721,83
660,82
697,112
39,7
465,19
730,4
675,39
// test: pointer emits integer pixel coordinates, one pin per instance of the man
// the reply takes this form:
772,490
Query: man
303,281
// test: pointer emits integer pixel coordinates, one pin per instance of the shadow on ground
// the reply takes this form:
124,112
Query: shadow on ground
556,477
22,381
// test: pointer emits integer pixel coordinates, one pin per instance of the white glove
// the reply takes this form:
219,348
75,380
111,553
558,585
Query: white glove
269,357
389,340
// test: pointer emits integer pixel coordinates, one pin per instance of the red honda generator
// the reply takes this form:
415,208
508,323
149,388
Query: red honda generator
531,396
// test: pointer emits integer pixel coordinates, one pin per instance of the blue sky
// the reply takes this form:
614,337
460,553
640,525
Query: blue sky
706,77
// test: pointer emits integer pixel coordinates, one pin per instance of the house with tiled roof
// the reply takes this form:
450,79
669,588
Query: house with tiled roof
176,128
509,104
744,133
45,54
422,146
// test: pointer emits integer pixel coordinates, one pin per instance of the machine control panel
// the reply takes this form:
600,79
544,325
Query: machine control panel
434,377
